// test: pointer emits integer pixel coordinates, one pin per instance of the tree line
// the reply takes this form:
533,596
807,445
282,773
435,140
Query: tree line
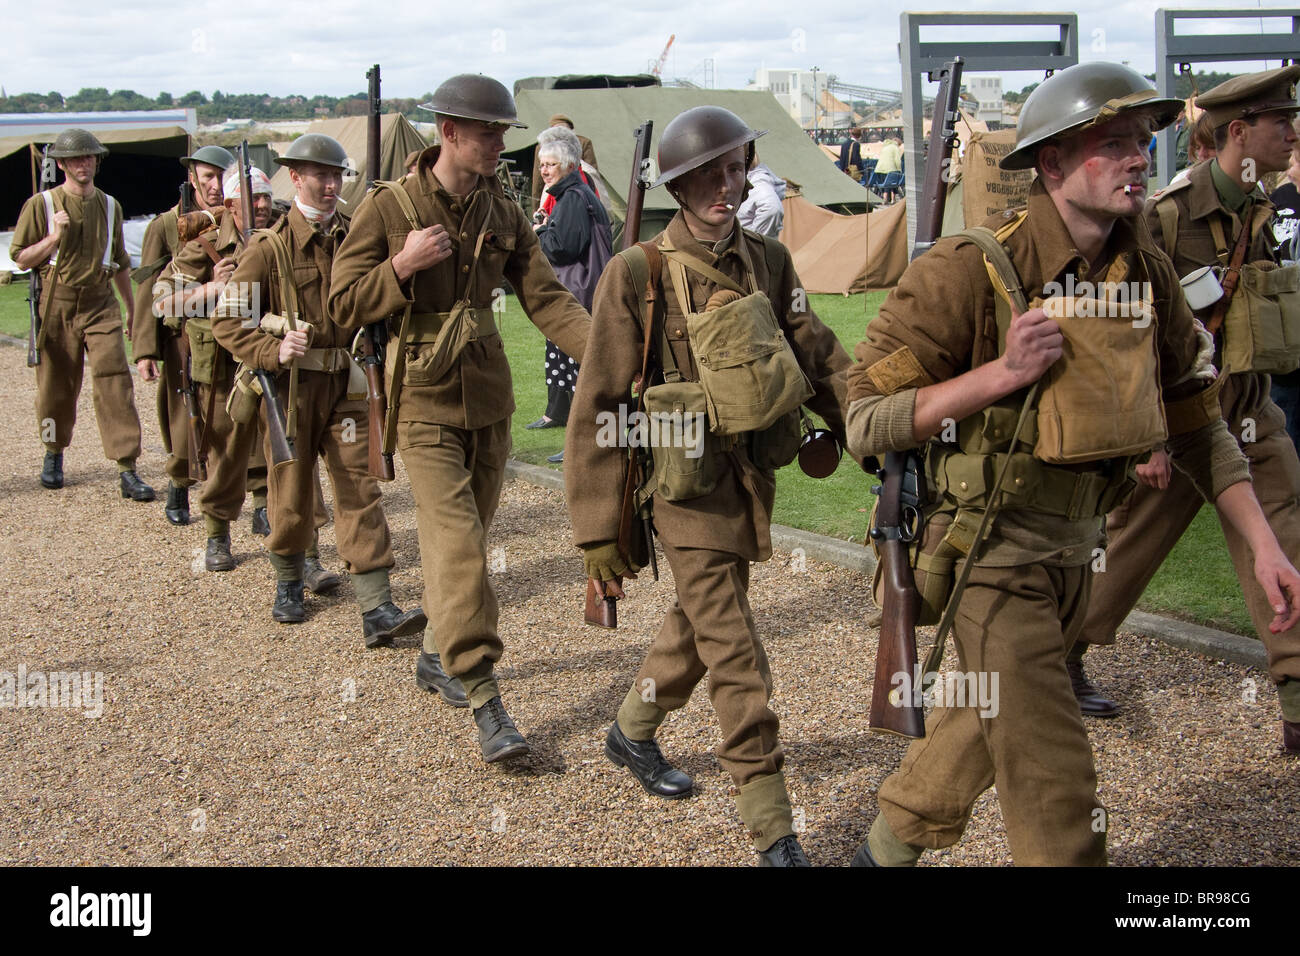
221,106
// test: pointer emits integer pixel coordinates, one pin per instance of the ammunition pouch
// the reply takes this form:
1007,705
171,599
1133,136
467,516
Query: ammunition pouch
204,351
686,454
1261,329
245,396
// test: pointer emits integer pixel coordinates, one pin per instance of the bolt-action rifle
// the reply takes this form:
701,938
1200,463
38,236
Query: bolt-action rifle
48,180
899,511
635,532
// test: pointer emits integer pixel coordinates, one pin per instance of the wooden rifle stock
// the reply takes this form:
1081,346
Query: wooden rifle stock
896,709
603,612
380,463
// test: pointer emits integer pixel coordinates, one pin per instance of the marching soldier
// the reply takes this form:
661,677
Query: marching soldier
73,234
153,340
432,254
712,504
947,346
1199,222
191,286
310,347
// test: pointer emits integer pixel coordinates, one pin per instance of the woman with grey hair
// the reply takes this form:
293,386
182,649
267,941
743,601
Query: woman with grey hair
574,233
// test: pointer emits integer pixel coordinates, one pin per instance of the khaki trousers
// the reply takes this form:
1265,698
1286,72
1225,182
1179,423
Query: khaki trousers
1145,529
232,450
710,629
1016,623
335,428
456,478
173,417
86,320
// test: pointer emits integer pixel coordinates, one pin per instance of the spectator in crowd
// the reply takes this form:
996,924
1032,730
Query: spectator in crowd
762,211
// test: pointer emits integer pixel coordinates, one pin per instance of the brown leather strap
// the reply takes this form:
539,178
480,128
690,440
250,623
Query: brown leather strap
1233,274
655,262
202,240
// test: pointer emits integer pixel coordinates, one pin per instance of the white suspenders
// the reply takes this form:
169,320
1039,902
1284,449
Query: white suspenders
107,261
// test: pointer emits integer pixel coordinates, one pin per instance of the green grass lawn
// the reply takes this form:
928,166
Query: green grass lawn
1196,583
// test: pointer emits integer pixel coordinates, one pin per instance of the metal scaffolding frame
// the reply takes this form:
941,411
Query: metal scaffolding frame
1174,50
919,57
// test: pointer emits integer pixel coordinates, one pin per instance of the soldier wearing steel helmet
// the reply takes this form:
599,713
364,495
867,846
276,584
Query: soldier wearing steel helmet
330,410
73,234
948,346
433,253
1198,222
713,527
150,333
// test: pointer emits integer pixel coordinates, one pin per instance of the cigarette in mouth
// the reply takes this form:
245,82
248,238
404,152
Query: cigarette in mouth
1128,190
341,199
730,206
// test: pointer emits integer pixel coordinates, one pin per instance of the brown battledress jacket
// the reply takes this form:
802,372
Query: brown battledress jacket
477,390
160,244
736,516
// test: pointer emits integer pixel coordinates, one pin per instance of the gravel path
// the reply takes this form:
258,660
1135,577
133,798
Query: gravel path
228,739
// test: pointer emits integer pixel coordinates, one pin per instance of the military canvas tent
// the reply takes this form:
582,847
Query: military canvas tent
610,117
142,170
842,255
397,137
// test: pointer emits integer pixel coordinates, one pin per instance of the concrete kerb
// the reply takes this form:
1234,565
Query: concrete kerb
1233,648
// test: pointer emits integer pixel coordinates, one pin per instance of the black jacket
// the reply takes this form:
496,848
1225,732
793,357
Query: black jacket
567,234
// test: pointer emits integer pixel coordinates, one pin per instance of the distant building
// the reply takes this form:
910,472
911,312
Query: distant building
987,90
45,126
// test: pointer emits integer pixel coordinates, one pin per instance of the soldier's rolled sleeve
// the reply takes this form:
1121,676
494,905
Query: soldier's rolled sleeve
31,227
594,467
231,324
363,286
881,423
1210,458
547,303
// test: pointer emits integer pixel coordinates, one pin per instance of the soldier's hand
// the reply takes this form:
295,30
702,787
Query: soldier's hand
1156,472
612,588
423,248
292,346
606,569
148,370
1034,342
222,270
61,221
1281,584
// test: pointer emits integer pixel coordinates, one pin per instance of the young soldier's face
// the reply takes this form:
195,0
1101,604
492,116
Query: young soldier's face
1099,164
318,186
206,181
710,194
80,169
1269,141
475,145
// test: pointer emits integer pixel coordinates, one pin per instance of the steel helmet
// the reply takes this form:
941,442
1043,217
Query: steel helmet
315,148
699,135
77,142
477,97
211,156
1079,97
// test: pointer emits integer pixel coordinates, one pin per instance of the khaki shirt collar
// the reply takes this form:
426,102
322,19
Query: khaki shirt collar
432,187
303,231
1055,249
679,237
1229,191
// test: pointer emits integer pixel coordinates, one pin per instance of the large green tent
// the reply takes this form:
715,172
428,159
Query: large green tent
609,117
397,137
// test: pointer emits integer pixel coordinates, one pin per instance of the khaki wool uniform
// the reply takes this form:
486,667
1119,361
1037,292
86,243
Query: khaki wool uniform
1029,589
453,432
329,423
149,339
235,458
82,316
709,540
1145,529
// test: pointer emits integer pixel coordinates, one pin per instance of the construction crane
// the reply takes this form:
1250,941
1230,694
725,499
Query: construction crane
659,64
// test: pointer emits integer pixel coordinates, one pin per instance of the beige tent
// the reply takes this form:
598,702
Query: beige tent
397,137
845,254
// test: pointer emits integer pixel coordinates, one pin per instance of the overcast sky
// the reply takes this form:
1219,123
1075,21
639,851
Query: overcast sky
325,47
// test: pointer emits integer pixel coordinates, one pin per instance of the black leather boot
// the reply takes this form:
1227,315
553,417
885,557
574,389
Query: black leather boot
1091,703
498,737
430,676
784,852
261,525
647,763
288,607
133,488
388,621
52,470
218,556
177,508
